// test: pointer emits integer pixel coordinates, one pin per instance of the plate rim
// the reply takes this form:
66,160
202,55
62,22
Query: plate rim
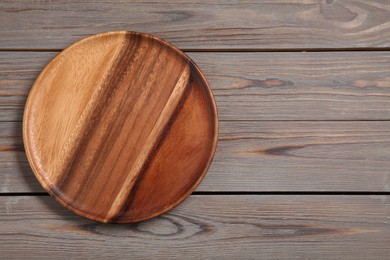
48,188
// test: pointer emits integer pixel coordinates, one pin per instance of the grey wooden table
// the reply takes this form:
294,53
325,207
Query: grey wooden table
302,169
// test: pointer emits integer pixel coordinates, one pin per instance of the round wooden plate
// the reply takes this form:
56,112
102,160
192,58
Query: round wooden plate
120,127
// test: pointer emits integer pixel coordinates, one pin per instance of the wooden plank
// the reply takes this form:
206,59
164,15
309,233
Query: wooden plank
229,227
201,24
254,86
262,156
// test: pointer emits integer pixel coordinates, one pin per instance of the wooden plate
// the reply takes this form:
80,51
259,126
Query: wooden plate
120,127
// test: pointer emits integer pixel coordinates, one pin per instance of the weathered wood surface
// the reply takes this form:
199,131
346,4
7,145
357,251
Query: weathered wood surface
257,151
229,227
262,156
254,86
201,24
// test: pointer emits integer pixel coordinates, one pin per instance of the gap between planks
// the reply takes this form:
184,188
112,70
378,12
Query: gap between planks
370,49
246,193
270,120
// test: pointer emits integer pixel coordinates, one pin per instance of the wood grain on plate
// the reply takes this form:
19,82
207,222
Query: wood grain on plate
254,86
120,127
230,227
262,156
201,24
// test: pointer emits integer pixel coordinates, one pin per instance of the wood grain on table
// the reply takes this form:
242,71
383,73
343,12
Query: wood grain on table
254,86
201,24
262,156
302,165
230,226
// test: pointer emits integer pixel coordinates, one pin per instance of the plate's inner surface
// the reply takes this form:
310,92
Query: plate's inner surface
120,127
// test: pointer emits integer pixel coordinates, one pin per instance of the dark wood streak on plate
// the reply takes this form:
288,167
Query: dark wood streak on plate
109,86
133,193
